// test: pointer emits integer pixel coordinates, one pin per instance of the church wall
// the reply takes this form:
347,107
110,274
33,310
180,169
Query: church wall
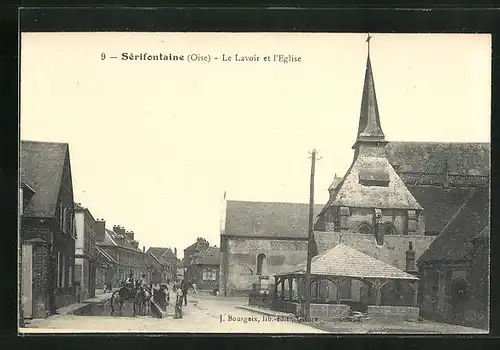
241,260
397,217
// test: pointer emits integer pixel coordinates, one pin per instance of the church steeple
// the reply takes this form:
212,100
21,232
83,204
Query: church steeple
369,129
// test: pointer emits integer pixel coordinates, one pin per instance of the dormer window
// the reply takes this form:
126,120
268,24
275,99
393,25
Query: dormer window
374,178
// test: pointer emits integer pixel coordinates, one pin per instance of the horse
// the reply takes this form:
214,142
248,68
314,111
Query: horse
142,300
121,295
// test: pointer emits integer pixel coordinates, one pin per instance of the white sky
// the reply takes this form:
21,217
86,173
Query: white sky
154,145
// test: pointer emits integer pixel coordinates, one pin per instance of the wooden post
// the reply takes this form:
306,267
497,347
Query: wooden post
378,284
290,281
310,236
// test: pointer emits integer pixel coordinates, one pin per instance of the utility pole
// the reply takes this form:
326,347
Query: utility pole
307,286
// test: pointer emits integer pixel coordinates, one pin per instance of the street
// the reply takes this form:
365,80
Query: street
203,314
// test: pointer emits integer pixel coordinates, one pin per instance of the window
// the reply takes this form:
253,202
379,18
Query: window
261,260
389,229
365,228
214,275
207,275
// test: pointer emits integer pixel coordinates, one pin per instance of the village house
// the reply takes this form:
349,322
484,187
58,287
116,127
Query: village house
166,260
191,254
85,253
122,253
391,204
203,269
47,232
454,271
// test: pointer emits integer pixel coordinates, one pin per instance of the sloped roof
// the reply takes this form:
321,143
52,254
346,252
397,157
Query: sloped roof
353,194
268,219
369,120
345,261
105,255
210,256
157,252
485,233
335,183
389,253
439,204
168,254
41,166
111,238
453,243
462,158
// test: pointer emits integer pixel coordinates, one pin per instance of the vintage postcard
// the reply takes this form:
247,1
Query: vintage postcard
325,183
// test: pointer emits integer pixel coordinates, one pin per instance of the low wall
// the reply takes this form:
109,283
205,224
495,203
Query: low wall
329,312
405,313
325,312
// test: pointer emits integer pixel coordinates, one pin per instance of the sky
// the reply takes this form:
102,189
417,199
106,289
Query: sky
155,144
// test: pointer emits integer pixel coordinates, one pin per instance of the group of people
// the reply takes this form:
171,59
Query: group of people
179,289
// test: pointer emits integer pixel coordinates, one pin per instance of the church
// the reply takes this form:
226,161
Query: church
394,198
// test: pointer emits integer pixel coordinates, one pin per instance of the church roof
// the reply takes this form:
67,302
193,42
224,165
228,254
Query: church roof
440,204
41,166
345,261
453,243
352,193
268,219
369,128
462,158
389,252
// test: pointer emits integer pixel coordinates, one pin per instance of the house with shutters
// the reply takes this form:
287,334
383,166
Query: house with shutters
47,231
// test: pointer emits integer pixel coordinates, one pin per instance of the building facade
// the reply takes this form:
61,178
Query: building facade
122,252
260,239
164,262
47,232
203,269
85,253
454,271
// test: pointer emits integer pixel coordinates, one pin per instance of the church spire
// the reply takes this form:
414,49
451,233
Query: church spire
369,129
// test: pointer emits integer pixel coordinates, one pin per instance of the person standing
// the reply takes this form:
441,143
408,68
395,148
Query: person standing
178,301
184,287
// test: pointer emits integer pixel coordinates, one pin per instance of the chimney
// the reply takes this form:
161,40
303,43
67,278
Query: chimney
100,230
175,252
130,235
116,229
144,249
135,244
122,230
410,258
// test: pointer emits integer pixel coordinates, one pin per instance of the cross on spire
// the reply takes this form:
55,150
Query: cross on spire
368,41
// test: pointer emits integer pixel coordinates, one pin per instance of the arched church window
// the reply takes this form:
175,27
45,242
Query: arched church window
365,228
261,260
389,229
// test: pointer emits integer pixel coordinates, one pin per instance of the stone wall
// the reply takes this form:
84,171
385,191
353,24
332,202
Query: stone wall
241,264
329,312
403,313
392,252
